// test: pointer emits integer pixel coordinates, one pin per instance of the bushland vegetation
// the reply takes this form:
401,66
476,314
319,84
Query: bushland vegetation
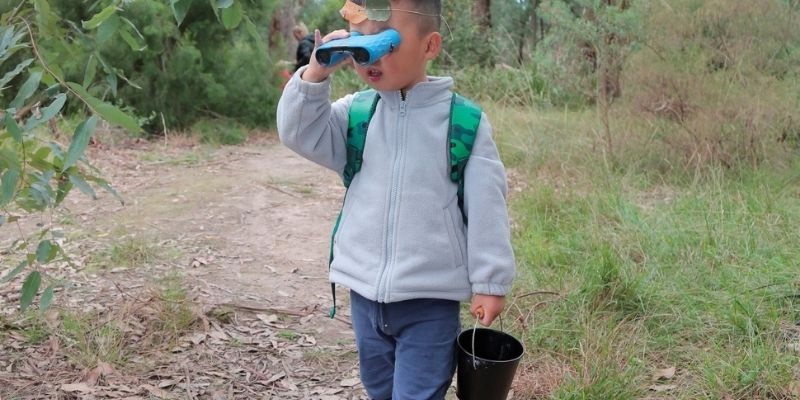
652,148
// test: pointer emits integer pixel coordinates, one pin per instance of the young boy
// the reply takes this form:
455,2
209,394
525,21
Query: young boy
402,246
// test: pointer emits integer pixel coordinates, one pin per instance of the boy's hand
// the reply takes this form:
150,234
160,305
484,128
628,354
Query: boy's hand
487,307
316,72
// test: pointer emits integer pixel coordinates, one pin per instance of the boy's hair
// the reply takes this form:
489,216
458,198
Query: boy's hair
430,14
428,11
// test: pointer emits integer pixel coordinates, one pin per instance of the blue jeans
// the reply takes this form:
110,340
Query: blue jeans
406,350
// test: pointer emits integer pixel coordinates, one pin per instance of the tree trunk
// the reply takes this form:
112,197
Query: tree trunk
534,23
481,12
283,21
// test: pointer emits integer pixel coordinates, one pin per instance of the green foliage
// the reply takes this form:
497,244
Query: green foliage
585,39
503,84
323,15
36,174
461,34
46,46
91,340
653,271
224,132
212,62
718,83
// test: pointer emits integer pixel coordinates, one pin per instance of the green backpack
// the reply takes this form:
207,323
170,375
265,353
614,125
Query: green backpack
465,117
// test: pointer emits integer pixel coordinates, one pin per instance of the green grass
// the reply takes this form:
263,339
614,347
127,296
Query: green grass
197,155
132,251
175,315
88,340
654,269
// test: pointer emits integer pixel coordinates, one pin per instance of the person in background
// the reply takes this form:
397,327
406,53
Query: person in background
305,45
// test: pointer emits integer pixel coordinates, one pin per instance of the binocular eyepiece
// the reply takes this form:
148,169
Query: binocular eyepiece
365,49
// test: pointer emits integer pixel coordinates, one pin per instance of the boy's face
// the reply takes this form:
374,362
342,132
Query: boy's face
405,66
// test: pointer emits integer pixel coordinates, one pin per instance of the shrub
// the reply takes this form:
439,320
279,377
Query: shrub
718,82
185,72
215,131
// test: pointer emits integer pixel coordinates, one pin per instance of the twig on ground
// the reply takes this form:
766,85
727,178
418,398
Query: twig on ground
281,190
537,293
188,383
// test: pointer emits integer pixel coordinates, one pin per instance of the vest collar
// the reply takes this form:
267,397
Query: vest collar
434,90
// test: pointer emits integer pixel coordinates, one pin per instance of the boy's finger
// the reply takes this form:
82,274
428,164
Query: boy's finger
317,38
337,34
480,313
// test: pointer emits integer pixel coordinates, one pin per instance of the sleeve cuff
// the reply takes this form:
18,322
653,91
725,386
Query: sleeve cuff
310,88
492,289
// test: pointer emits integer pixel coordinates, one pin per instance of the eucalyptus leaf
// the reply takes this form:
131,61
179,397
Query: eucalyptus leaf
46,251
14,72
14,272
222,3
8,187
180,8
106,186
112,83
107,111
47,299
231,16
79,141
12,127
27,90
100,17
107,29
9,159
83,186
90,71
136,43
48,112
29,289
134,31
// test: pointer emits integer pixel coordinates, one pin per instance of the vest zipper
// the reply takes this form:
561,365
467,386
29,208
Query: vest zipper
397,166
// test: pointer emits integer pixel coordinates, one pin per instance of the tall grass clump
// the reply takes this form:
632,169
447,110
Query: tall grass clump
716,83
651,272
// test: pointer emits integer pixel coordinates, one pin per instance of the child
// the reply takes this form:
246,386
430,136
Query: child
402,246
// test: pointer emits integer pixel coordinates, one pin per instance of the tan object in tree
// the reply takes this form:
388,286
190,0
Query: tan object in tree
353,13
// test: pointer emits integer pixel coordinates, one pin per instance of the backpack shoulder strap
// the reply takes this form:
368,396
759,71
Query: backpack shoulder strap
361,110
465,118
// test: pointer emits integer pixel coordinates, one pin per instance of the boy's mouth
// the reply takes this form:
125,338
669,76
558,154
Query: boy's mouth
374,74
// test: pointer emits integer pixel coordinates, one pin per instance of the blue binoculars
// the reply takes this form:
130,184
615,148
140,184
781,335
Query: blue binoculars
365,49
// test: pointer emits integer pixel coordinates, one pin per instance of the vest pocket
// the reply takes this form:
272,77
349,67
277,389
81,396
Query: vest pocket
455,243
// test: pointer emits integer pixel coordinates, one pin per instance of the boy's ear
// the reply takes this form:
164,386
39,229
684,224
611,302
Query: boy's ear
433,46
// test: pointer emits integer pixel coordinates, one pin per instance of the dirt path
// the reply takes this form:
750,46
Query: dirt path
245,231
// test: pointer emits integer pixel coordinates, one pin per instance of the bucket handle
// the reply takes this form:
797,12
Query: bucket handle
478,317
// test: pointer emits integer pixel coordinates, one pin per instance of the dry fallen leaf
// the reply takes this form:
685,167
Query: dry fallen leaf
665,373
197,338
350,382
218,334
267,318
275,377
93,376
169,382
76,387
163,394
662,388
